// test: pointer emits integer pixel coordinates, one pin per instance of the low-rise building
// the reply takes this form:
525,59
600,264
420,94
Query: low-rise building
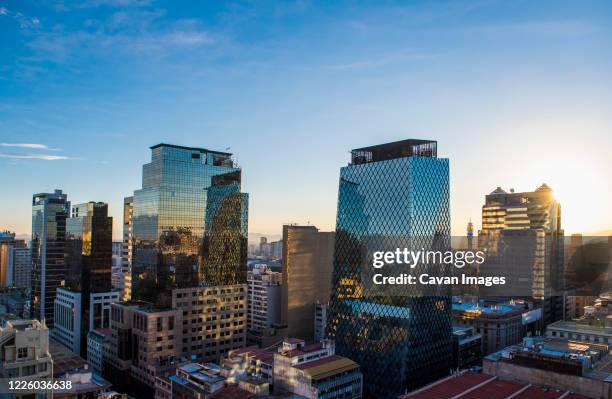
24,351
314,371
499,324
561,364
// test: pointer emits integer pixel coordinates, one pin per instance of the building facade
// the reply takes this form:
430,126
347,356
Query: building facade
49,214
264,298
126,270
522,234
307,266
68,316
168,220
391,196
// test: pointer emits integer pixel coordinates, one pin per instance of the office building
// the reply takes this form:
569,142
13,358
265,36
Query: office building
24,351
391,196
89,242
522,235
68,316
594,326
203,324
500,324
49,214
168,222
314,371
22,265
476,385
15,261
98,348
560,364
264,298
128,240
307,266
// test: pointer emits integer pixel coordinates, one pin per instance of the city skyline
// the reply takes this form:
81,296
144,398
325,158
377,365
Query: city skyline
291,88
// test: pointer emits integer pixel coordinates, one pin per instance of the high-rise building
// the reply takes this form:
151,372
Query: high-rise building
126,270
264,298
529,226
22,265
391,196
307,266
88,258
7,243
49,214
168,222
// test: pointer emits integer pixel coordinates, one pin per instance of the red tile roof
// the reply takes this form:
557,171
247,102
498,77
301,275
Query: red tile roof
471,385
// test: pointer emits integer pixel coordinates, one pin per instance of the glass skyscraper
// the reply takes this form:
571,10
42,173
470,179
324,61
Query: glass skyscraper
170,219
391,196
89,237
49,213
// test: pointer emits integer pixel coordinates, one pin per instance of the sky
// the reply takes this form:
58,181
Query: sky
517,93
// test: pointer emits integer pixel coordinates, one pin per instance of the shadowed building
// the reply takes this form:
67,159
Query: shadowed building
390,196
49,214
307,265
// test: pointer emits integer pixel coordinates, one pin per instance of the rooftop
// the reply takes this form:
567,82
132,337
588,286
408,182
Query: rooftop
572,326
196,149
472,385
327,366
397,149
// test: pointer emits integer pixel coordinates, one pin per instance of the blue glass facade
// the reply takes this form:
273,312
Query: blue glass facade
391,196
169,215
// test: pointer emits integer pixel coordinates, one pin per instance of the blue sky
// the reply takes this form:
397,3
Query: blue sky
516,92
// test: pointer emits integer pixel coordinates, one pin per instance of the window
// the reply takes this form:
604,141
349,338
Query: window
22,353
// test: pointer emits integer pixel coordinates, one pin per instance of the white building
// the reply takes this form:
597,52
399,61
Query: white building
24,351
68,315
264,296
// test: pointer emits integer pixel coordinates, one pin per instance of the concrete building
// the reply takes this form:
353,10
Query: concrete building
24,351
68,315
476,385
595,325
499,324
98,348
248,362
561,364
73,321
320,321
532,257
264,306
314,371
196,381
15,261
307,266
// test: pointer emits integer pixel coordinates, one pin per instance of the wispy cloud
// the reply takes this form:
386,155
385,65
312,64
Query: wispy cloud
44,157
25,145
23,20
379,61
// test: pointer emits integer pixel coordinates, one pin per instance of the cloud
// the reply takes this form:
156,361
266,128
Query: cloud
25,145
44,157
376,62
23,20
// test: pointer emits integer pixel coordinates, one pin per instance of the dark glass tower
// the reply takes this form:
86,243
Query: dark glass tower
89,237
391,196
224,252
49,213
168,220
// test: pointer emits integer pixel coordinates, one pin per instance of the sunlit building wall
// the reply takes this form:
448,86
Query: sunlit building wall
168,219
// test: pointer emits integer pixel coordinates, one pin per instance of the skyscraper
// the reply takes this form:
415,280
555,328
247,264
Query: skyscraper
307,266
49,213
168,220
390,196
529,226
89,237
